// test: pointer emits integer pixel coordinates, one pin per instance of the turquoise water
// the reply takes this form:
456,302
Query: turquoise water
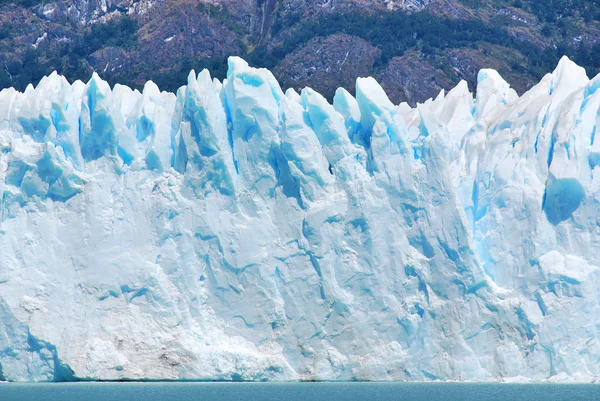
295,392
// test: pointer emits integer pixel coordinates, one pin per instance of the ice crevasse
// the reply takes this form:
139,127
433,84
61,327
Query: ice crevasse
233,231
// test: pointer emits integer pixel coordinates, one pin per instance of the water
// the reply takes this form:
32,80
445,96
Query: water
296,392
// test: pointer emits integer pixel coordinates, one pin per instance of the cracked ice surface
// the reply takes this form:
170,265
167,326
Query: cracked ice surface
234,231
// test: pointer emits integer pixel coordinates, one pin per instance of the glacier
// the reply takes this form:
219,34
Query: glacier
234,231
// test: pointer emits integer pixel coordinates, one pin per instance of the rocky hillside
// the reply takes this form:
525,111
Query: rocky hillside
414,48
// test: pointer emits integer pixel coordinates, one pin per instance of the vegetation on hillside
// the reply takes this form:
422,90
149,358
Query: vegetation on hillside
394,33
23,3
554,10
68,58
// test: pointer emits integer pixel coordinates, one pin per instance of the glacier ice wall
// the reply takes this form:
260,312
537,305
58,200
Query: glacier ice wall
233,231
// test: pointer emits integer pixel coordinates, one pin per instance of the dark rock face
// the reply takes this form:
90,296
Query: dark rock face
466,63
328,63
180,29
109,59
412,78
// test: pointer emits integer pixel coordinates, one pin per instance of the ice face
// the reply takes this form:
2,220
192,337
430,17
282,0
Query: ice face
237,231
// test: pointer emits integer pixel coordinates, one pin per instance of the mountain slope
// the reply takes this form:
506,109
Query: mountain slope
304,42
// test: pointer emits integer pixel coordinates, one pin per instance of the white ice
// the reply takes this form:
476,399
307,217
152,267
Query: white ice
236,231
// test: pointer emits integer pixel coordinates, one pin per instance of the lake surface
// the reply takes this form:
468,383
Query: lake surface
296,391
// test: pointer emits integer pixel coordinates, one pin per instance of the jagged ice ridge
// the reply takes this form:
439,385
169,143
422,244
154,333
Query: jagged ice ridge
234,231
